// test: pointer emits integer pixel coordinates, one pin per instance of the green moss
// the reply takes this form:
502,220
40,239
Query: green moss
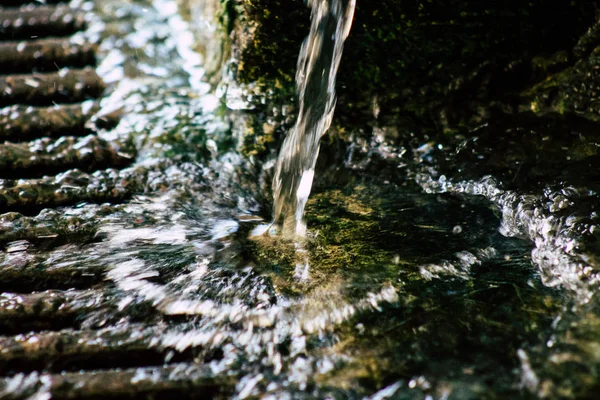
572,91
259,137
441,65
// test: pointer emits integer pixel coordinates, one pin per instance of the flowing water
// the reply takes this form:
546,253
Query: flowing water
438,268
318,64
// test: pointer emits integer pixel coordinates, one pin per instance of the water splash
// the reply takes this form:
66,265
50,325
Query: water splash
397,274
318,64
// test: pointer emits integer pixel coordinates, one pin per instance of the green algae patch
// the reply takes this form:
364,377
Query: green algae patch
349,236
569,366
259,137
447,335
276,258
266,38
347,242
571,91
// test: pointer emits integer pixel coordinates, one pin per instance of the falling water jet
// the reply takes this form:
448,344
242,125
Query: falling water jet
318,64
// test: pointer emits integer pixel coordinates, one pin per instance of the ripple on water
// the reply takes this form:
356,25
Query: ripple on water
393,293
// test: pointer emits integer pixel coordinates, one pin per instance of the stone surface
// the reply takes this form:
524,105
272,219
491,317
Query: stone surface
429,66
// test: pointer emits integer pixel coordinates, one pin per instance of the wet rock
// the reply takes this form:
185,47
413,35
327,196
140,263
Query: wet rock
48,310
70,188
31,21
429,67
66,86
29,271
73,349
22,123
44,55
48,225
133,383
45,157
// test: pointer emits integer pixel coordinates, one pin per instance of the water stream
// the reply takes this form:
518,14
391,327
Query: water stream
318,64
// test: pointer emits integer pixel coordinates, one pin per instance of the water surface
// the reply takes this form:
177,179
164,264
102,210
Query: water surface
435,269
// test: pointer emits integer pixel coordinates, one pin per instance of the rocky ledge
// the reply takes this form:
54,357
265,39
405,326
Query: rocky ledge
429,67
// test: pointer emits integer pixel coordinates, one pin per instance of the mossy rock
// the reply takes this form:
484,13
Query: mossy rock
433,65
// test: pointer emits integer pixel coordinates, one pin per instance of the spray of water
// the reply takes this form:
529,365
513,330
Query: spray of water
318,64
